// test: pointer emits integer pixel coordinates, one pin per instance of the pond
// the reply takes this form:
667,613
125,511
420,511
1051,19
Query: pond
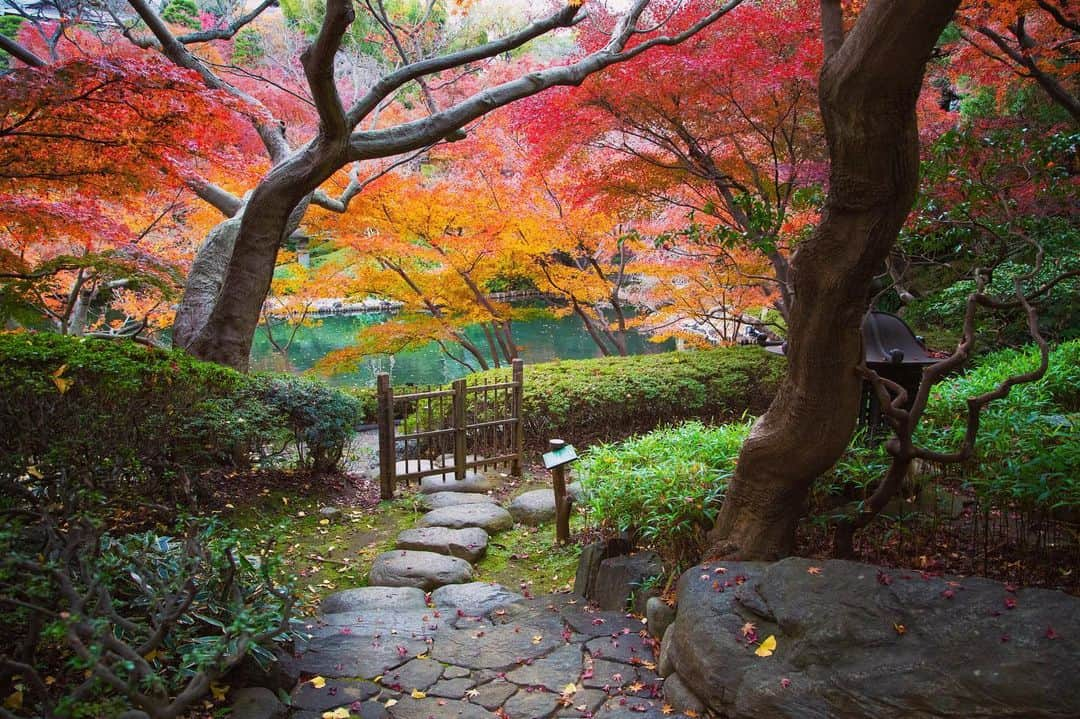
540,338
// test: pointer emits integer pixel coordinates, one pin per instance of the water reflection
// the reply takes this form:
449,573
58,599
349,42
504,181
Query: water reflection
541,338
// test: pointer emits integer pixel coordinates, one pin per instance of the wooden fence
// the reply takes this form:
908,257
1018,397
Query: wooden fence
435,431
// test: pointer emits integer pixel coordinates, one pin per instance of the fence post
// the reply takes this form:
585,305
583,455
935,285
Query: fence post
562,503
459,428
518,376
385,394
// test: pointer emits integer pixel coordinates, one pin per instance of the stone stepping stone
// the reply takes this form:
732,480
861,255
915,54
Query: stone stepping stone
334,694
424,570
552,672
469,543
438,500
416,674
415,623
531,703
475,598
363,599
354,656
452,688
490,517
428,708
534,508
472,482
501,647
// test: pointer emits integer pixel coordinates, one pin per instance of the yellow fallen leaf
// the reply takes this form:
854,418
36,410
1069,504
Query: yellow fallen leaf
767,647
152,655
34,472
390,702
317,682
537,638
14,700
324,521
339,713
570,688
219,691
417,694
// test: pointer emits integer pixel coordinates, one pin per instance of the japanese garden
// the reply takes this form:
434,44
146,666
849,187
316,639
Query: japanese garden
418,359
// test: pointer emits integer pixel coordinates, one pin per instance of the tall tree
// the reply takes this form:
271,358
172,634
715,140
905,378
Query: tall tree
220,325
869,86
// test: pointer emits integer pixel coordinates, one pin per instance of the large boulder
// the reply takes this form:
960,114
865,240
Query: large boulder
424,570
622,579
589,563
257,703
469,543
534,508
490,517
853,640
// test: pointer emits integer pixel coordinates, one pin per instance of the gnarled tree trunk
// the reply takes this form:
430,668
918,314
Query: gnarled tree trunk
869,86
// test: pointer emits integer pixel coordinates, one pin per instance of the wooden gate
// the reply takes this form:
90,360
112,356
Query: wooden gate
424,432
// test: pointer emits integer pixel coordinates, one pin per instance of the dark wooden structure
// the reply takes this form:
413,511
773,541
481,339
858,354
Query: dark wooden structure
893,351
472,426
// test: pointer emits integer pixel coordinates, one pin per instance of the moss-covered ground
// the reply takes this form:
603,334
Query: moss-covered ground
329,553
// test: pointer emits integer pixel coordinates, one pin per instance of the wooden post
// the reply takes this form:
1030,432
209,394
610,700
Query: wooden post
460,388
518,376
562,504
385,414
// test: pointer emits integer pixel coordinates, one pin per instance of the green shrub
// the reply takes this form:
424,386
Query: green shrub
182,12
320,418
143,425
664,487
247,47
139,621
1028,446
612,397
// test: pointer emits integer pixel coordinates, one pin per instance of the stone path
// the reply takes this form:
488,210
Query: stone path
426,642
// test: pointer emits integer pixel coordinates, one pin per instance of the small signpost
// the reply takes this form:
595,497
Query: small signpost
560,455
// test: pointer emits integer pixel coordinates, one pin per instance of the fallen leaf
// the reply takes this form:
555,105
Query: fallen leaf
14,700
537,638
900,629
219,691
816,571
569,689
339,713
417,694
390,702
748,629
317,682
767,646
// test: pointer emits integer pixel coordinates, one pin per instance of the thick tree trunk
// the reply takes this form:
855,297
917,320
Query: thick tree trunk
868,90
274,210
204,281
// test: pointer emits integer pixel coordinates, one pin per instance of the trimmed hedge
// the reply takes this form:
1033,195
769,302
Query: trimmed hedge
142,425
613,397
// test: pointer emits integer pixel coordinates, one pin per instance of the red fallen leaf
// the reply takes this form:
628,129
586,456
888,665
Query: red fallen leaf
402,651
1010,602
1051,634
785,682
1004,638
883,578
597,622
948,594
1011,588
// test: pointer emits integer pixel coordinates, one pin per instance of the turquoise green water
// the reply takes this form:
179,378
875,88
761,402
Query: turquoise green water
539,339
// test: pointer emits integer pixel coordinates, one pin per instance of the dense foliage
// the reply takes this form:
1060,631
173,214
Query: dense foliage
613,397
145,425
109,622
664,487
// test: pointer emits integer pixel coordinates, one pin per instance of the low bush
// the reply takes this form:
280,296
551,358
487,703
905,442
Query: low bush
143,425
664,487
613,397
